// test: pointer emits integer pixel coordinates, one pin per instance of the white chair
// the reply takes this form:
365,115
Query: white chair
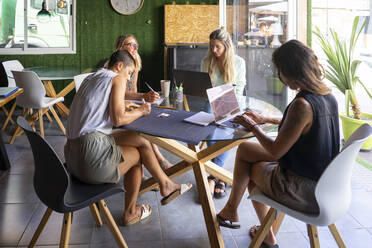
332,192
33,97
78,79
9,66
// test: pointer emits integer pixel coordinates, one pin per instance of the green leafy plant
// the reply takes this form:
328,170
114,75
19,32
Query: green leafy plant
341,66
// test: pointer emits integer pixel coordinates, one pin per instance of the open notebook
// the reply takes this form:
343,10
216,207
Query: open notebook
7,91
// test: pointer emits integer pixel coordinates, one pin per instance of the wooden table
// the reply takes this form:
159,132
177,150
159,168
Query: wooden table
199,161
49,74
4,160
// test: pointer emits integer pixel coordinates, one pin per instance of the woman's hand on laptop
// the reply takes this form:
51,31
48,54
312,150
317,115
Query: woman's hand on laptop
256,117
244,120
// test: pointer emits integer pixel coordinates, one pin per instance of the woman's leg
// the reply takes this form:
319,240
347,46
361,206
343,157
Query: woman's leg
148,158
160,157
131,168
248,167
220,161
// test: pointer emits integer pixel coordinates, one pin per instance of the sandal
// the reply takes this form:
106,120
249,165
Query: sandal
212,178
253,234
165,164
227,223
175,194
221,186
145,213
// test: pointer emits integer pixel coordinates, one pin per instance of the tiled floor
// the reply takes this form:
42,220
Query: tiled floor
179,224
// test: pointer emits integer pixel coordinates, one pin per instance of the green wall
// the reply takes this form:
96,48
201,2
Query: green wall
98,25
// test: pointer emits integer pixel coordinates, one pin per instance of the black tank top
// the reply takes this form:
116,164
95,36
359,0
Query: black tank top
312,152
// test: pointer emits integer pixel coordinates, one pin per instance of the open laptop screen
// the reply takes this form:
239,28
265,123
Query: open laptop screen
195,83
223,101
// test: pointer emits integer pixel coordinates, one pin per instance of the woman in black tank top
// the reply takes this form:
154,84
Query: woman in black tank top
287,168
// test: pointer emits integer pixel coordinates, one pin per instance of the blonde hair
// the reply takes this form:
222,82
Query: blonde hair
210,62
119,44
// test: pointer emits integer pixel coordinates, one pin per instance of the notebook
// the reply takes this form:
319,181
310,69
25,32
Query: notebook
7,91
194,83
224,105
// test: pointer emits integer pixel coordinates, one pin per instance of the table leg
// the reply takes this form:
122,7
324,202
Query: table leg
210,218
50,91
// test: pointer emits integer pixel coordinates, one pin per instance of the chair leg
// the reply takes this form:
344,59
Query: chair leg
278,222
94,210
41,125
66,227
312,231
48,116
9,115
16,133
111,224
264,229
336,235
40,228
57,119
203,144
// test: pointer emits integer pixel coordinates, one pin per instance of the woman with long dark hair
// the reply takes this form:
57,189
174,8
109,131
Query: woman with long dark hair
287,168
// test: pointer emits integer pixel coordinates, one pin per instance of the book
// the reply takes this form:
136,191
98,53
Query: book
201,118
7,91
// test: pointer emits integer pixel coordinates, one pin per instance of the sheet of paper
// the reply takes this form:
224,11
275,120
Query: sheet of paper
202,118
157,102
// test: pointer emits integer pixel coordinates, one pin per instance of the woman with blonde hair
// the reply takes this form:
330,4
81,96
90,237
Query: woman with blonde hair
287,168
224,66
129,43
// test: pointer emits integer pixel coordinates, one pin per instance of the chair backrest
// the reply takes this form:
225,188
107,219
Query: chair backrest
333,190
50,177
9,66
33,89
78,79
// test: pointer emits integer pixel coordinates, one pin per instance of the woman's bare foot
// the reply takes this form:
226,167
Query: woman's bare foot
165,164
169,187
212,184
229,213
131,214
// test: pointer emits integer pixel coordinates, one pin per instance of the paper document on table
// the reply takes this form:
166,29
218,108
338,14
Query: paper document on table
202,118
157,102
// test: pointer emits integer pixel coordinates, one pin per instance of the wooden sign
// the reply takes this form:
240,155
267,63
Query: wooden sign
189,23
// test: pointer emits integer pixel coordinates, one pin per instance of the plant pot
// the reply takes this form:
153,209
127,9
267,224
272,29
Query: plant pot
274,85
349,125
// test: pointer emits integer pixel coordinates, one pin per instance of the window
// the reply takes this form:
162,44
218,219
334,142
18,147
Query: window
37,30
258,27
339,15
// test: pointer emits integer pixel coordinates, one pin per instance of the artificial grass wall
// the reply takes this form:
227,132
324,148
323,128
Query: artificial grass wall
98,25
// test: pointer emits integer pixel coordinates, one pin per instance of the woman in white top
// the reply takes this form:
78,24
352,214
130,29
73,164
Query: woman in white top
224,66
129,43
95,154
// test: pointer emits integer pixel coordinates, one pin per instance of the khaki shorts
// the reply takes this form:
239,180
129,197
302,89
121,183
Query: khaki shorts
94,158
289,189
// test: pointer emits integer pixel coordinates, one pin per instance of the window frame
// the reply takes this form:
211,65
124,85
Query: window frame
45,50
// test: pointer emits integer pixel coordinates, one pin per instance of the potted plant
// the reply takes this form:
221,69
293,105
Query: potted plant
341,71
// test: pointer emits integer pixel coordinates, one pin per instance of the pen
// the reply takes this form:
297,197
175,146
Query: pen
149,87
165,107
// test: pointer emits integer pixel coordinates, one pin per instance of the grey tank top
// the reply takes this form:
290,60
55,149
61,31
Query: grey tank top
90,107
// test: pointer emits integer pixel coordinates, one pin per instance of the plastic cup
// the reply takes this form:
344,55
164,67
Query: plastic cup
165,85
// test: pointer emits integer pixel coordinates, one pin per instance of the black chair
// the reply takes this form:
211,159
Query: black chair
63,193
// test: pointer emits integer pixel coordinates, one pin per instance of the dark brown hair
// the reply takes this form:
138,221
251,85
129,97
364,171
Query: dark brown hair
121,56
298,62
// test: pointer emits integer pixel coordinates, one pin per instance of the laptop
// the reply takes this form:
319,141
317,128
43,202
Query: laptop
194,83
224,104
